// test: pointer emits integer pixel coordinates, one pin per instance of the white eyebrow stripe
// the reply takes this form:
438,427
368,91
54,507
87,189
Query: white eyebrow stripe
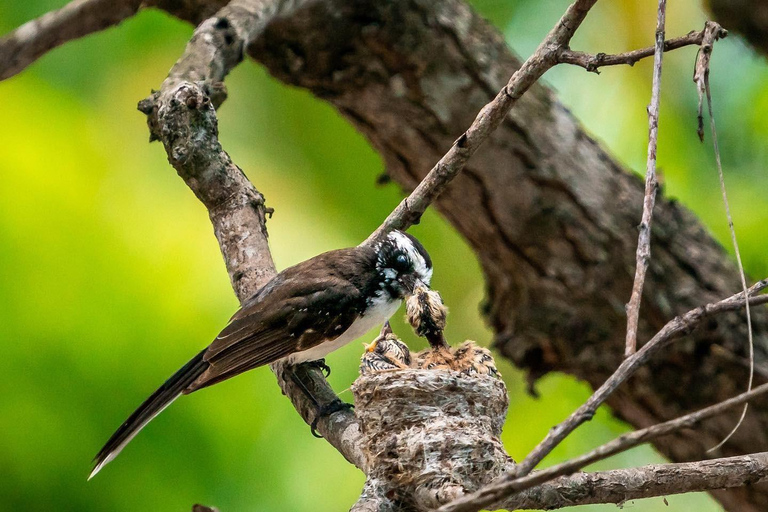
419,264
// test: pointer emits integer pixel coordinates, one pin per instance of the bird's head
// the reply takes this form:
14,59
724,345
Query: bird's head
403,264
389,347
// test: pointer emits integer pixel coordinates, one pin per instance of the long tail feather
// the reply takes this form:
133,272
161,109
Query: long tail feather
151,407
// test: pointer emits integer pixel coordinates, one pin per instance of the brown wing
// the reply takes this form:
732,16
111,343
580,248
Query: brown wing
294,313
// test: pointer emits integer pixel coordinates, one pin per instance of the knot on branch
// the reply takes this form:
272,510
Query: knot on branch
430,436
170,112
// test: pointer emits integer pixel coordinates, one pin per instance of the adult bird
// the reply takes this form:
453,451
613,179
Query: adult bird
300,315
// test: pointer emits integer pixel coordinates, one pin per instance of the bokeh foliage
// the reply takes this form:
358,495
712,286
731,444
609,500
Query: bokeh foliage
110,277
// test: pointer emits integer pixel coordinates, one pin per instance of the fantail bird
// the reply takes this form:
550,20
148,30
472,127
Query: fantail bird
300,315
386,352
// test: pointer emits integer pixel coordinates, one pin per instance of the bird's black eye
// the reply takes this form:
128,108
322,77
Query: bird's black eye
401,262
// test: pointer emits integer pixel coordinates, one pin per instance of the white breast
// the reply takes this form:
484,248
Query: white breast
380,310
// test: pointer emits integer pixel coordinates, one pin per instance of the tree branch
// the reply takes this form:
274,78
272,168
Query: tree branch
78,18
593,62
622,485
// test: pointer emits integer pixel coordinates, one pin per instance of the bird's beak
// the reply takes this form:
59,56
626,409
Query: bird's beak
370,347
411,284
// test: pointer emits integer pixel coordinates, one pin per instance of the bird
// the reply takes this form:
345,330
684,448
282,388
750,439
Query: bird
386,352
472,359
300,315
427,314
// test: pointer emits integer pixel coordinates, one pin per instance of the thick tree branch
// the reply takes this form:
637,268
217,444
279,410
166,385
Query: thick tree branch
78,18
622,485
182,115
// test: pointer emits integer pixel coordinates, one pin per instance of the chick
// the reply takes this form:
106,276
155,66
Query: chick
426,313
439,358
470,359
386,352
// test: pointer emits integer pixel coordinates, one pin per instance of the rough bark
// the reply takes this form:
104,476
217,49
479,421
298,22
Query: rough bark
621,485
551,216
76,19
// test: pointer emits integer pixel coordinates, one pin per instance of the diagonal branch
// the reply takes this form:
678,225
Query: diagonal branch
674,329
410,209
78,18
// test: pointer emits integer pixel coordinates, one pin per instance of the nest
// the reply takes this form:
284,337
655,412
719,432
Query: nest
431,436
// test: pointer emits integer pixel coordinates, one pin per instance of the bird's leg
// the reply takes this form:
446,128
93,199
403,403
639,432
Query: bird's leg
326,410
323,410
320,363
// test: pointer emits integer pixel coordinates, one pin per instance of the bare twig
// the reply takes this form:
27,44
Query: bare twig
651,186
506,486
410,209
621,485
593,62
701,77
711,33
78,18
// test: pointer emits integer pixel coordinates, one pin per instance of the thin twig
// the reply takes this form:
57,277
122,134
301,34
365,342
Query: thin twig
593,62
410,209
505,487
701,77
621,485
78,18
643,257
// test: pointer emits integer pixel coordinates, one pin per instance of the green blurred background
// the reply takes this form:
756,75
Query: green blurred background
110,277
